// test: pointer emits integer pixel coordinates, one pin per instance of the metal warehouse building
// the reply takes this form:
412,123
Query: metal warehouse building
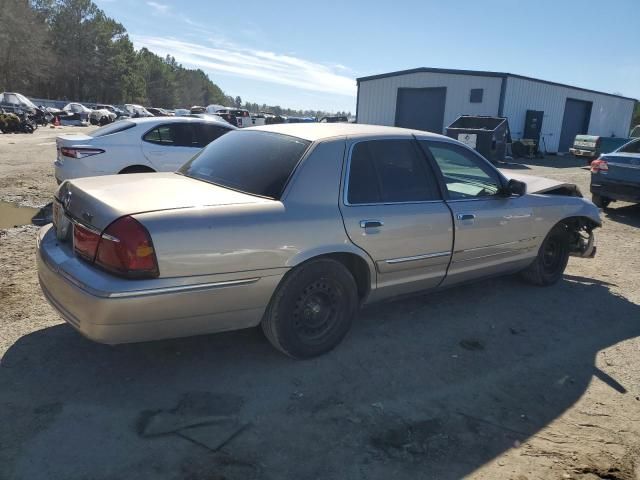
432,98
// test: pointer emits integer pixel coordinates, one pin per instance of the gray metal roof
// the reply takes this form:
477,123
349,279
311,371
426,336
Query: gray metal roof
481,73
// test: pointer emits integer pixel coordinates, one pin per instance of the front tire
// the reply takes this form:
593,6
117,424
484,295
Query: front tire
552,259
312,309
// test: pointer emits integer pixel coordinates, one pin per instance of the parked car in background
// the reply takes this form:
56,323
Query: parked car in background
293,227
156,144
119,113
101,116
13,102
258,119
290,119
137,111
592,146
181,112
159,112
334,119
616,175
235,116
78,109
213,108
217,118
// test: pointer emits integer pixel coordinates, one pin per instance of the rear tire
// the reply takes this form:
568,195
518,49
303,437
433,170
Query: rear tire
312,309
553,255
600,201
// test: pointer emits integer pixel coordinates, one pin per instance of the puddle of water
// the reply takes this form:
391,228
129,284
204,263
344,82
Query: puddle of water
12,215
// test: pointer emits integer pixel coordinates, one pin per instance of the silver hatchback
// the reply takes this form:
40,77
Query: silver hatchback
293,227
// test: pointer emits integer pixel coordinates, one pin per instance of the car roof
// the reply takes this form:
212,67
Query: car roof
319,131
162,120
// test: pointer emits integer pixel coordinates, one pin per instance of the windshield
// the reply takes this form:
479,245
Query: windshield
112,128
25,101
254,162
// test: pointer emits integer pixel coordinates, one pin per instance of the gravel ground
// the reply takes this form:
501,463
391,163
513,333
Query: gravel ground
493,380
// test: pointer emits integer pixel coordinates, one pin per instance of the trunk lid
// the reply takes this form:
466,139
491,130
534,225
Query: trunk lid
623,167
71,141
98,201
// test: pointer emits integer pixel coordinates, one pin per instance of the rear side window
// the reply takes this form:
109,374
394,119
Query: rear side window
112,128
631,147
163,135
259,163
389,171
174,134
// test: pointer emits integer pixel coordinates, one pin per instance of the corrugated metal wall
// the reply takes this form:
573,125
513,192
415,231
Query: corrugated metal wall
377,98
609,115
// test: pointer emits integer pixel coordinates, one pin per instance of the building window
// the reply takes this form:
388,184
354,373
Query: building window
476,95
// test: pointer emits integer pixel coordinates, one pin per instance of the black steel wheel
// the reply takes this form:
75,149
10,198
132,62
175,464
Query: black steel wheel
552,258
312,309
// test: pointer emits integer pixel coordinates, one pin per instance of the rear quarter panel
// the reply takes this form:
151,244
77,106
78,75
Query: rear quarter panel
258,237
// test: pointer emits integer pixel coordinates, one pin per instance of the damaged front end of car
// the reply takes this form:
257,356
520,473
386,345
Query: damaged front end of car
582,241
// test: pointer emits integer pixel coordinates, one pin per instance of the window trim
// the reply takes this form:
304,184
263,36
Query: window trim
419,150
443,186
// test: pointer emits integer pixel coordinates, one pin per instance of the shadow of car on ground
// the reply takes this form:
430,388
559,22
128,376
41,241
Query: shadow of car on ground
628,215
432,386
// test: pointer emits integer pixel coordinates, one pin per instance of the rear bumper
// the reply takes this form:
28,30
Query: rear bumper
615,190
583,153
75,168
111,310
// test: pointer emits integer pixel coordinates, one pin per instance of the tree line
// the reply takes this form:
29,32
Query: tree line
71,50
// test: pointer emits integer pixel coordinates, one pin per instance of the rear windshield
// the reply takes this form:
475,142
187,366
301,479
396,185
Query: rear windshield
115,127
254,162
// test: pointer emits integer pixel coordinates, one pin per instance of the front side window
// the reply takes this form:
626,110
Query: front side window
465,174
259,163
389,171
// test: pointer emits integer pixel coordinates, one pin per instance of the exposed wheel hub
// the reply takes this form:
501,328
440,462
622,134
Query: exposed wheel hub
316,310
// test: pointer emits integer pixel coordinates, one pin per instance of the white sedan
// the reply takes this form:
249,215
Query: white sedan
156,144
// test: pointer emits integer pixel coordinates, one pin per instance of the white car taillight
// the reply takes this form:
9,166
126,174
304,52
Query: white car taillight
80,152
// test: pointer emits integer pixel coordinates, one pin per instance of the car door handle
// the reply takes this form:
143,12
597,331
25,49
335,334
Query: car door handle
465,216
371,223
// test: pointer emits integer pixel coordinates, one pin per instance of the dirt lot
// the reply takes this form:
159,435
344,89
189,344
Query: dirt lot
499,380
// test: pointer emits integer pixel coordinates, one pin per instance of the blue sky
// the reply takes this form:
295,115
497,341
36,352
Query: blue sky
301,54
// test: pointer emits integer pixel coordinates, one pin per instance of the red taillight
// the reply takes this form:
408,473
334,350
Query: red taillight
599,165
74,152
126,249
85,241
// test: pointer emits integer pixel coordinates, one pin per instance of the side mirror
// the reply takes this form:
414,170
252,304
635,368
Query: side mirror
515,187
